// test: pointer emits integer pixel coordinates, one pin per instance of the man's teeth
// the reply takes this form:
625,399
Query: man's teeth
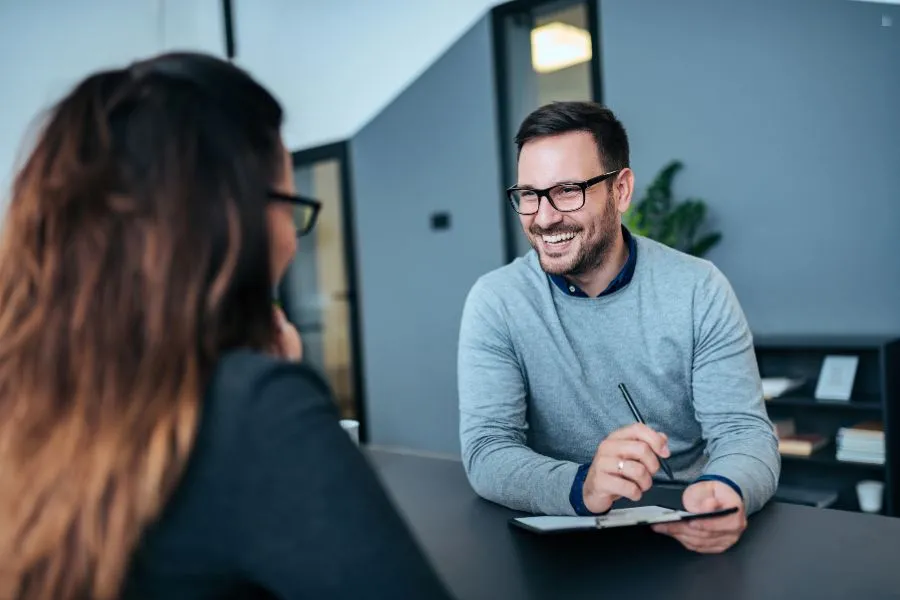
559,237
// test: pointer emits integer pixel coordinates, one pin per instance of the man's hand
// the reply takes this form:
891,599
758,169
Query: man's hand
623,466
709,536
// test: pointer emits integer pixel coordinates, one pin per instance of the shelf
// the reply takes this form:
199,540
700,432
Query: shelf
865,403
875,397
826,457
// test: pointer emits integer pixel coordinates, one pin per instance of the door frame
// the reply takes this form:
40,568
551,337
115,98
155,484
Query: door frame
340,151
499,14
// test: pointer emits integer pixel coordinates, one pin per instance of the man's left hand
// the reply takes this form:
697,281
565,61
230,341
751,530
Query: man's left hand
708,536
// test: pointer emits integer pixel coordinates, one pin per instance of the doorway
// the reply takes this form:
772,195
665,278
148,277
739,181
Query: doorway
318,291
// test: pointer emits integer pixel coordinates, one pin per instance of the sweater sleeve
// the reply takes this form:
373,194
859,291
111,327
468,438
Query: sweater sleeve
309,516
727,391
492,407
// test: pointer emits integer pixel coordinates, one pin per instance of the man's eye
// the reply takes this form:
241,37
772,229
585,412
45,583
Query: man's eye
566,191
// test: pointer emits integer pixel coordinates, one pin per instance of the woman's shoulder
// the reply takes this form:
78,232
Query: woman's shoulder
249,386
261,423
244,374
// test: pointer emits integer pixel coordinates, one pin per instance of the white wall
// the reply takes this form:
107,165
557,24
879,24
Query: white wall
46,46
335,64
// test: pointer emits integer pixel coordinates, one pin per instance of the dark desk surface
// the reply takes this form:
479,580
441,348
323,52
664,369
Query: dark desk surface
788,551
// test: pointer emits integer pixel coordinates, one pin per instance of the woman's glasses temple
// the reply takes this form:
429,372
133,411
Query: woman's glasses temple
312,208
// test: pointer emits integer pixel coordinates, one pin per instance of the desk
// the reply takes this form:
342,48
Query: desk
790,552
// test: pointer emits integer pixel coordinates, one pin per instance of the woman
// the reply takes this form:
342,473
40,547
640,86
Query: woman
150,444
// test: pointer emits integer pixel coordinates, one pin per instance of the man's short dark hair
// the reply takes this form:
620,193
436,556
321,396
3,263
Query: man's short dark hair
562,117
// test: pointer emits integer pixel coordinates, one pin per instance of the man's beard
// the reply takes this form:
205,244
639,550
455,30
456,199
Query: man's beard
589,257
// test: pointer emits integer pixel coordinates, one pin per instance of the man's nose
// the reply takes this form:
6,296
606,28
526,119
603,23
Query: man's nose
547,216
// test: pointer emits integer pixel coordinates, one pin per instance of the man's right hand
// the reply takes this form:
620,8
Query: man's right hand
623,466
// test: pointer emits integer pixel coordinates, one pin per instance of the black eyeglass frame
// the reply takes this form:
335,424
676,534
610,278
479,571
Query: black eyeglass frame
296,200
545,193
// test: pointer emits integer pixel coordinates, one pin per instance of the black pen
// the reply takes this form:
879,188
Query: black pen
640,419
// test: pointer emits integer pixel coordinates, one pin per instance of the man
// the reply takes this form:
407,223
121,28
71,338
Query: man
546,340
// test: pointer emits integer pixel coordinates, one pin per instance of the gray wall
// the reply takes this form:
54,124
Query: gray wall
784,112
433,149
787,116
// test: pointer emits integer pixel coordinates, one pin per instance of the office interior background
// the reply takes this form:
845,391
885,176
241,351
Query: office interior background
401,116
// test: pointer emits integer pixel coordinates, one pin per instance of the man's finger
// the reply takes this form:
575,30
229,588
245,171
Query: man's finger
700,497
630,450
708,545
704,542
713,546
632,470
681,529
657,441
619,486
728,523
710,504
687,539
662,528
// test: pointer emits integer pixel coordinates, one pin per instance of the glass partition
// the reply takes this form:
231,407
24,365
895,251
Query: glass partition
317,290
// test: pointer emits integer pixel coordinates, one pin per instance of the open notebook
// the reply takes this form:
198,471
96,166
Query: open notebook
621,517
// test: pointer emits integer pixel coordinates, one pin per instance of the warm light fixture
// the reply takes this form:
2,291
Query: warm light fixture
556,45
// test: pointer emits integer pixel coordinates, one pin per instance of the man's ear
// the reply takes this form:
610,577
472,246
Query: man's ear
623,188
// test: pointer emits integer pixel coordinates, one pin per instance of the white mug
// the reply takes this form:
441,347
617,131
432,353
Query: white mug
351,426
869,494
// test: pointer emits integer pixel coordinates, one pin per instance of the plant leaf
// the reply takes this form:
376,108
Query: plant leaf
676,225
705,244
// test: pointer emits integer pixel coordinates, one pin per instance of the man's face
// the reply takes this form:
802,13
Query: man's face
569,243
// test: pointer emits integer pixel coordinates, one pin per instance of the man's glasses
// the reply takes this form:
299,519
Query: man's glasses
306,210
564,197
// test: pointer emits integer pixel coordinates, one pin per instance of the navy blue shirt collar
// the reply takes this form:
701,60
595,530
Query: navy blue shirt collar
620,280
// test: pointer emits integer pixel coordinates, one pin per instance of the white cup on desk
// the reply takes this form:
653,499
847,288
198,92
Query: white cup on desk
351,426
869,494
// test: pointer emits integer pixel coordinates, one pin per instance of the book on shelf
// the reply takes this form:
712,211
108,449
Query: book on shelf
863,443
784,427
868,458
801,444
864,430
774,387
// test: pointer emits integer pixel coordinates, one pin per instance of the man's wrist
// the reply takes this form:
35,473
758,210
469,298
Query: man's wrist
721,479
576,494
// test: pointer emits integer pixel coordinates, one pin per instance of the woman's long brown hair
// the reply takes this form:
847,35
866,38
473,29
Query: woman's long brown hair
134,252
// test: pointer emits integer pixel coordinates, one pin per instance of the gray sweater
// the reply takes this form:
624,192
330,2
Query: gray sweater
538,371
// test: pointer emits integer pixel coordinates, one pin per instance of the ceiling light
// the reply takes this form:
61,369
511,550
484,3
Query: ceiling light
555,46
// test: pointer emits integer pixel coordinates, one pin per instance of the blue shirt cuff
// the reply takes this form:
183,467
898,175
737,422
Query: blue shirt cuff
721,479
576,494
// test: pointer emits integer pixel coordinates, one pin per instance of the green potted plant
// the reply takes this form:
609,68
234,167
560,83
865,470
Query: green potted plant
679,225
